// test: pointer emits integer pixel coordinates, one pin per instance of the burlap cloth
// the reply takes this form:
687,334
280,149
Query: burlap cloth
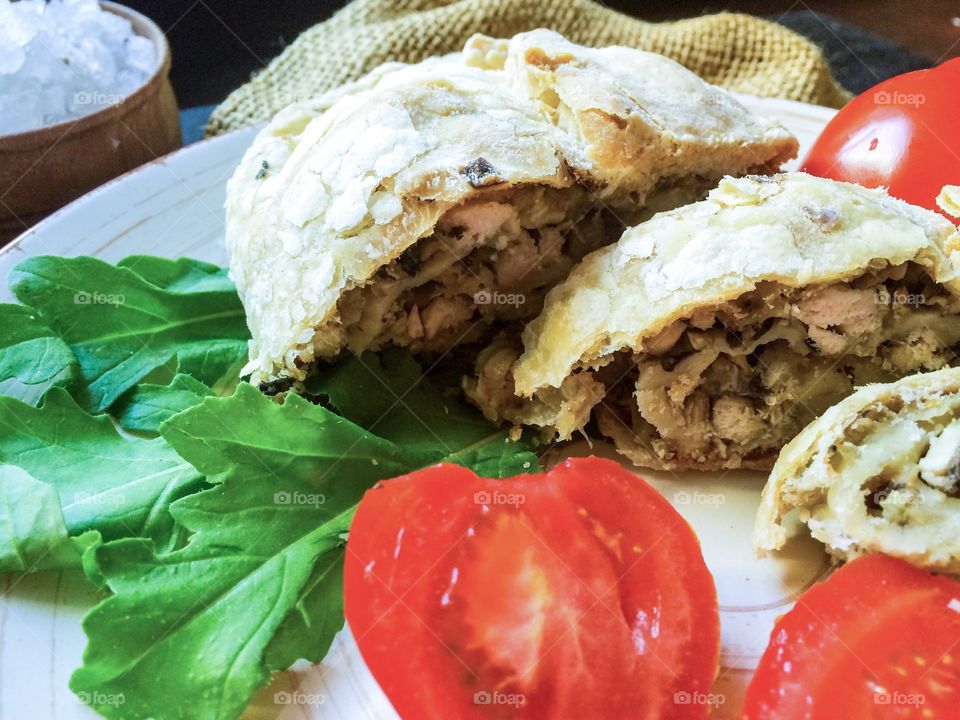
738,52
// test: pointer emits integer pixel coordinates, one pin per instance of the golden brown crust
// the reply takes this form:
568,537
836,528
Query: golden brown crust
637,117
333,190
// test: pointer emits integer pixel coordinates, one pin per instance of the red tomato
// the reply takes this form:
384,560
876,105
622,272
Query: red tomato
901,134
879,639
580,593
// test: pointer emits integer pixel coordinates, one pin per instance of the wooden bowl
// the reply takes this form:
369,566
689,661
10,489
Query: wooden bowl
42,170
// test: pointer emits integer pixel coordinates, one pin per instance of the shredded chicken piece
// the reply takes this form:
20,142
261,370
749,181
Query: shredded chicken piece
730,385
565,408
488,261
736,385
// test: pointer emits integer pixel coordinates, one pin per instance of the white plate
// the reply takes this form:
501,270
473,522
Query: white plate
173,207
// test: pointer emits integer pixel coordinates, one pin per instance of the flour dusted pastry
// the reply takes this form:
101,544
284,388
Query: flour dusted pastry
949,200
427,203
877,473
709,336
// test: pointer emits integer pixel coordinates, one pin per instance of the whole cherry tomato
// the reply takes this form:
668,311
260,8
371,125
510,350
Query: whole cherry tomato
902,135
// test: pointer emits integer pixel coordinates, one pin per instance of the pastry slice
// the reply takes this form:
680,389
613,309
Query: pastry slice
428,205
709,336
877,473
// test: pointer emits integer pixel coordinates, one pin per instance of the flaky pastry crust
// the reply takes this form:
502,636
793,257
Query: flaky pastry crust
334,191
718,330
877,473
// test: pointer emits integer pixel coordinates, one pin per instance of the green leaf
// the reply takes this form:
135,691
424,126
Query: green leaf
119,486
249,434
33,535
204,622
496,456
121,326
180,276
318,612
389,395
258,586
144,407
32,358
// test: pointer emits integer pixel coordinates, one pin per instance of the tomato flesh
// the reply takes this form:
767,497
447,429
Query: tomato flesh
879,639
576,593
900,134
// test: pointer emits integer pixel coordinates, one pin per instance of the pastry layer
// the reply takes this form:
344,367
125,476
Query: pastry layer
879,472
341,195
709,336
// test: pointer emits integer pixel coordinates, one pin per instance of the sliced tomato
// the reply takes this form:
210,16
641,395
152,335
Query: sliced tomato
879,639
578,593
901,134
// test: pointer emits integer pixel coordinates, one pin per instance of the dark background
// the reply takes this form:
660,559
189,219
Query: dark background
217,44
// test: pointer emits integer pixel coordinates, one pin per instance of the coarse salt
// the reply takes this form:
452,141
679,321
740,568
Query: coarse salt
63,59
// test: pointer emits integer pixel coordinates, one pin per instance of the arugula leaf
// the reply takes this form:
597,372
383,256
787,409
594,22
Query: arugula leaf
389,395
318,612
177,649
119,486
145,406
496,456
249,434
32,358
121,325
259,584
33,535
251,582
181,276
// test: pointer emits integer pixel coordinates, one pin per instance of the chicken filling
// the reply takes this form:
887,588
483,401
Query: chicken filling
735,383
490,262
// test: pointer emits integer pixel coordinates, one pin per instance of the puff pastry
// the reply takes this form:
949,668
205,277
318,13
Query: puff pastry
426,204
709,336
877,473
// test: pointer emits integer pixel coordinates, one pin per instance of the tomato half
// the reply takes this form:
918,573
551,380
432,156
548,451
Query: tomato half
901,134
578,593
878,640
